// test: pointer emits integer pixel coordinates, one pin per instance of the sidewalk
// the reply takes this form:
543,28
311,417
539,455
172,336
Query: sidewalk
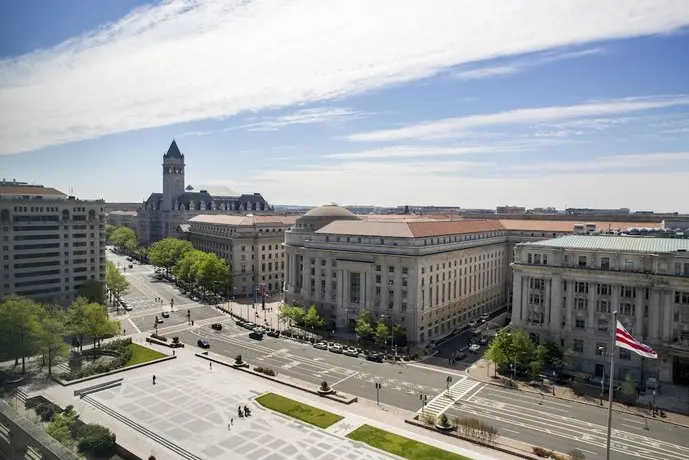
482,370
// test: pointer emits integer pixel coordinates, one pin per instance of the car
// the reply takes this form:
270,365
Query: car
131,266
203,343
127,307
485,317
473,323
483,341
165,314
273,334
320,345
336,348
259,330
239,322
460,356
474,347
377,357
250,326
216,326
255,335
351,351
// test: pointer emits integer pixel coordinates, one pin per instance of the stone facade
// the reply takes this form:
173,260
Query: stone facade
51,243
161,214
565,290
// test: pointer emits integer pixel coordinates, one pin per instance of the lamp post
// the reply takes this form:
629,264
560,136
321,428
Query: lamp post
601,351
424,399
448,380
392,332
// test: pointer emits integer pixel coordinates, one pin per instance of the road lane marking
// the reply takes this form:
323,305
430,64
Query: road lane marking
427,367
588,452
511,431
342,380
633,421
498,394
631,426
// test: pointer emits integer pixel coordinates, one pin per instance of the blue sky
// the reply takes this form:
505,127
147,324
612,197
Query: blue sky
473,104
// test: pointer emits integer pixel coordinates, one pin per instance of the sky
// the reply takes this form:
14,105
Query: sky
574,103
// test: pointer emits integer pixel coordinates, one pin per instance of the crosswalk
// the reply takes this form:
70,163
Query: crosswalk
446,399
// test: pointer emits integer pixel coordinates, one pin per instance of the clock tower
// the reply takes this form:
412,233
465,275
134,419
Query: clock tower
173,176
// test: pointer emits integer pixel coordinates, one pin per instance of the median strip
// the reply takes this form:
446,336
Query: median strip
401,446
295,409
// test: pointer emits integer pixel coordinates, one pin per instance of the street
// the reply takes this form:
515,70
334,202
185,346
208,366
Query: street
538,420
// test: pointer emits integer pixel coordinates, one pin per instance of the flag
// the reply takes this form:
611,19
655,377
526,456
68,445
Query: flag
624,339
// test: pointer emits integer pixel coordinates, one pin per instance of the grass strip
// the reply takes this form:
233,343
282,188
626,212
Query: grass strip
401,446
142,354
295,409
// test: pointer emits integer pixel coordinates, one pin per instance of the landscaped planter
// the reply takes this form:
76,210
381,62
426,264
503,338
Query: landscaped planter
325,392
445,429
240,365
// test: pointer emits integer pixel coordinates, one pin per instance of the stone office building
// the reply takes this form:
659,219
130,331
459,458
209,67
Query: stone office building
566,289
161,214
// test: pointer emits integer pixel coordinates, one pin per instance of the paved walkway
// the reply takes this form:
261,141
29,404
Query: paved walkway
482,370
192,404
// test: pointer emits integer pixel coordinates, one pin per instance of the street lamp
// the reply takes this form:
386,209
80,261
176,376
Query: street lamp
448,380
601,351
392,332
424,399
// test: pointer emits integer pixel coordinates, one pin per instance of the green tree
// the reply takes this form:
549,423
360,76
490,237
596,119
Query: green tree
109,229
93,290
19,329
523,349
53,329
96,324
124,239
75,319
499,350
115,282
212,274
312,319
535,368
382,333
364,325
292,313
511,348
167,252
186,268
399,334
549,355
628,386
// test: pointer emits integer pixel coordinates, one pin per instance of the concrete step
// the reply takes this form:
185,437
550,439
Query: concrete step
141,429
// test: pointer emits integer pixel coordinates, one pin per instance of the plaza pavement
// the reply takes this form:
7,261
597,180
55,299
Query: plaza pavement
192,404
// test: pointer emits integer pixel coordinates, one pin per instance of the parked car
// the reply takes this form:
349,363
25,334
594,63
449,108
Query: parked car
255,335
216,326
336,348
165,314
351,351
485,317
250,326
320,345
460,356
273,334
259,330
239,322
483,341
473,323
377,357
203,343
474,348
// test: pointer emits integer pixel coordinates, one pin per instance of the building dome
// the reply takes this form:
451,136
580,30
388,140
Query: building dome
331,210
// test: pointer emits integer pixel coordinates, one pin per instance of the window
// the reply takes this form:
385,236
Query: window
602,306
378,279
378,268
629,265
537,259
582,261
625,355
603,289
391,269
581,304
545,259
529,259
578,345
602,325
605,263
580,324
600,349
405,270
354,287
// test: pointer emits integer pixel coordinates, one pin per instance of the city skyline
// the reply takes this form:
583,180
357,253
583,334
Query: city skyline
566,105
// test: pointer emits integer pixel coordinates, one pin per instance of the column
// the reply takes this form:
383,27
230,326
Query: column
569,313
591,308
523,308
547,300
668,307
363,283
516,297
654,315
556,304
615,299
639,310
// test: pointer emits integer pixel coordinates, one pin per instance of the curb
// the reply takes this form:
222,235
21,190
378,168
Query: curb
347,401
658,419
67,383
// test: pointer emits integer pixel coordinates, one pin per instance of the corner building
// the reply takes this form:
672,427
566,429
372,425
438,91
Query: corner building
427,275
51,243
566,289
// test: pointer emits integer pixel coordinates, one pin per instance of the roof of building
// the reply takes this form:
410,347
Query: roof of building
567,225
183,228
615,243
408,229
240,221
409,217
123,213
173,151
331,210
7,188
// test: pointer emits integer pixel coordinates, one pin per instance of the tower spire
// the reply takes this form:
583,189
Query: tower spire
173,151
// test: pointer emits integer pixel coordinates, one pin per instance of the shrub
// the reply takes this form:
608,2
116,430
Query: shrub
540,451
162,338
97,440
175,339
270,372
324,386
151,457
477,429
124,354
444,421
576,454
238,359
59,429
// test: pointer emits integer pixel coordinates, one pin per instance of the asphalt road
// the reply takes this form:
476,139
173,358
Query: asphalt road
561,425
547,422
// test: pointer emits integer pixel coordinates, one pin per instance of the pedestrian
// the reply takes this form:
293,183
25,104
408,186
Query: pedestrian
449,360
154,380
231,421
173,352
210,365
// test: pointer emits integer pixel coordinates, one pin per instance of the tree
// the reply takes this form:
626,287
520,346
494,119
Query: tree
628,387
167,252
53,329
109,229
19,329
364,325
93,290
312,319
535,368
185,269
96,323
510,349
124,239
75,319
549,355
292,313
115,281
382,333
212,274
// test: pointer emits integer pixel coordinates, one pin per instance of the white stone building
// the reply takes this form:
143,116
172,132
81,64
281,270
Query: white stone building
565,290
251,245
428,275
51,243
162,213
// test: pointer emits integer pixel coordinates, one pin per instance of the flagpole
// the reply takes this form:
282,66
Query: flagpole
610,385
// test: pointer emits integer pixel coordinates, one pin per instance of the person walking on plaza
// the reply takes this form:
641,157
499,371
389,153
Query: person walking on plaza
154,380
210,365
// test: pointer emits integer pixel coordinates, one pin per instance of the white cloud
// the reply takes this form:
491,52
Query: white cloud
306,117
605,163
422,183
521,65
451,127
185,60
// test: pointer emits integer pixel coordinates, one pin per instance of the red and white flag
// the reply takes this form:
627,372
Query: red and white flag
624,339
